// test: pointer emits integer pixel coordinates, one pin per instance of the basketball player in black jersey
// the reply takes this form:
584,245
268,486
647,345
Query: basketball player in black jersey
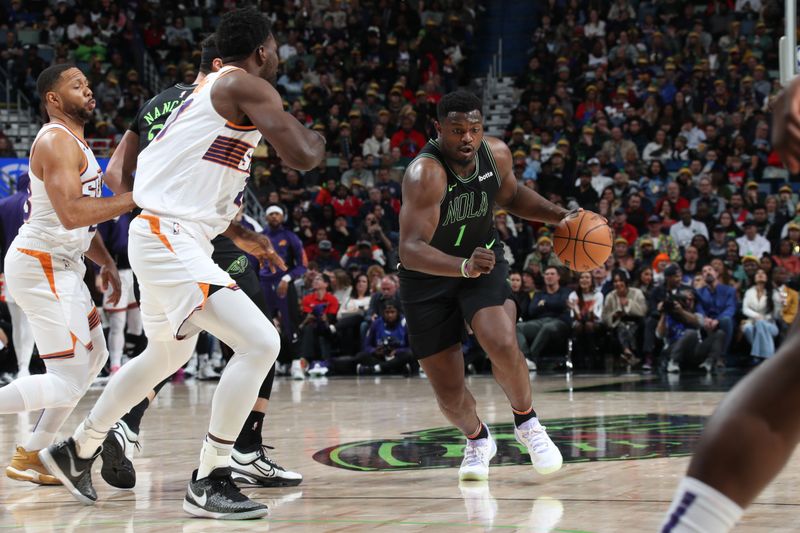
756,428
453,271
250,463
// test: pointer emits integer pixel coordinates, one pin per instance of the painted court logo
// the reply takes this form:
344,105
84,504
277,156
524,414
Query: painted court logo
609,438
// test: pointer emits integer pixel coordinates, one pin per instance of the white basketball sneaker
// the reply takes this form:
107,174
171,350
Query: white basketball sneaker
545,456
477,454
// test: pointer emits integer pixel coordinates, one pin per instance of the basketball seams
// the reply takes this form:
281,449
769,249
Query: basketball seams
588,255
577,235
567,238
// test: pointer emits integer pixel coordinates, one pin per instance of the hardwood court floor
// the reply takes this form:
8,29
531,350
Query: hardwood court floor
377,455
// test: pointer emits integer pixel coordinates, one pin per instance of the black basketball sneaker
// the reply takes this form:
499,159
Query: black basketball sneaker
62,461
217,496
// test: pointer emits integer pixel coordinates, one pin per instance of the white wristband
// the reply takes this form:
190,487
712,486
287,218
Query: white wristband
287,278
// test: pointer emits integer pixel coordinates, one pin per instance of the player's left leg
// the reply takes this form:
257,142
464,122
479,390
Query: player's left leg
495,329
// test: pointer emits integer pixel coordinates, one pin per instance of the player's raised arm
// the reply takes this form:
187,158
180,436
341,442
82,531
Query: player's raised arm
242,95
423,189
521,201
59,161
119,172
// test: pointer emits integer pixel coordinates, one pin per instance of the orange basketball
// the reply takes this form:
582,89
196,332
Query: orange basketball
583,241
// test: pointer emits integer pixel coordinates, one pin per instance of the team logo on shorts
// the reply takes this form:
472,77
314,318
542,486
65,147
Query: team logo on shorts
239,266
608,438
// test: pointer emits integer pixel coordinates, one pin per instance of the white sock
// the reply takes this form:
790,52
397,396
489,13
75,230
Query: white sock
213,455
87,439
699,508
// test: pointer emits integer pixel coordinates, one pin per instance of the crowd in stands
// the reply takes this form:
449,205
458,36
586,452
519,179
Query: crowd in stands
654,114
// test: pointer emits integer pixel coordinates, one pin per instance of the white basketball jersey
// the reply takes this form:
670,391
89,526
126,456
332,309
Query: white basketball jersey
41,220
196,169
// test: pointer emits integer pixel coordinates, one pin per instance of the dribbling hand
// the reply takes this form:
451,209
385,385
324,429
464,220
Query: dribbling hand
480,262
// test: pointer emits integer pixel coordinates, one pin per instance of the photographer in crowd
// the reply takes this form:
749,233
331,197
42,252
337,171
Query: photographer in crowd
386,349
685,339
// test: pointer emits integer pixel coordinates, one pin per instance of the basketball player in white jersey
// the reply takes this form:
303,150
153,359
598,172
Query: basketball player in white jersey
756,428
44,266
189,184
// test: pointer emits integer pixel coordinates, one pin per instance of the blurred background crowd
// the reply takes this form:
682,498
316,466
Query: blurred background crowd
655,114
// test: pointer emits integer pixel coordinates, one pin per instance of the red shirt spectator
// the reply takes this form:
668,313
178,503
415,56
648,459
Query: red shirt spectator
409,140
345,204
675,199
622,228
328,302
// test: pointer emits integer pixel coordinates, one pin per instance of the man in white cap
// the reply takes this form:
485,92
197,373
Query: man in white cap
278,286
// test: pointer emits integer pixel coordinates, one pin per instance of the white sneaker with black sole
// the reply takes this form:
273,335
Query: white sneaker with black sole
218,497
477,455
255,468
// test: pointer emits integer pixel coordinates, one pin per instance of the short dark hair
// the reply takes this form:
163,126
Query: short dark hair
553,267
458,102
208,52
49,77
240,32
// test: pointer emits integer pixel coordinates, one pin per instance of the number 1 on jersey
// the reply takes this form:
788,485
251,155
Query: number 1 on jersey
460,234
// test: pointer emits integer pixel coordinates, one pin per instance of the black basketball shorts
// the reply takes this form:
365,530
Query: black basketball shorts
436,307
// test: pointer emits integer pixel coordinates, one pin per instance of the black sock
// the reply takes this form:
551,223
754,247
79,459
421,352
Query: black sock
482,434
521,419
250,436
134,417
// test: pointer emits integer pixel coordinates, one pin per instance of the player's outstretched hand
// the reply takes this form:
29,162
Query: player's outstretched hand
786,125
109,275
480,262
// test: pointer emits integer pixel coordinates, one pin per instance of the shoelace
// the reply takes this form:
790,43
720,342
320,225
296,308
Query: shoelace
228,489
476,454
535,434
263,455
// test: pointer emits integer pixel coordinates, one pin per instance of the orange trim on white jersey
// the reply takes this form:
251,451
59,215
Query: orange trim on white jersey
155,229
46,260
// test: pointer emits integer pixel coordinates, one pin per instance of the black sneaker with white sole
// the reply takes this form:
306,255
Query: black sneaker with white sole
216,496
254,467
75,473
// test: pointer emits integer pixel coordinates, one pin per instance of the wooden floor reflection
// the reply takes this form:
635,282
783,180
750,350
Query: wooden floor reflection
377,455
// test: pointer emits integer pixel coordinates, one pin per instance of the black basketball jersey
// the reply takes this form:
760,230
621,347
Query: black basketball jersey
466,214
155,112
